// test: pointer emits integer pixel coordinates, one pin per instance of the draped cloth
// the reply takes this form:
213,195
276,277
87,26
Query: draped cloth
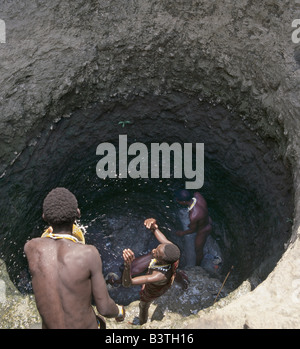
152,291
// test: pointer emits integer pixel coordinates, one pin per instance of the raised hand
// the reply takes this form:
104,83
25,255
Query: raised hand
128,256
150,223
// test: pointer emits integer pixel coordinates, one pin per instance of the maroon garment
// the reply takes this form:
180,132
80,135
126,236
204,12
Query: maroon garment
152,291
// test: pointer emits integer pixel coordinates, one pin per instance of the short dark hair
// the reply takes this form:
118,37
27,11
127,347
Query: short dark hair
183,195
60,206
172,253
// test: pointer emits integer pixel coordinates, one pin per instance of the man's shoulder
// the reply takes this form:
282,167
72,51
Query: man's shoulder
32,243
85,249
36,242
198,196
90,252
90,249
197,213
89,255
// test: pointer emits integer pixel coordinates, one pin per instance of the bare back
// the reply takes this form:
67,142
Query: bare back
199,215
62,278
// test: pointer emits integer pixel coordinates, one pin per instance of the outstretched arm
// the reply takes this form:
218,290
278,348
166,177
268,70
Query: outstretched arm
104,303
127,280
151,224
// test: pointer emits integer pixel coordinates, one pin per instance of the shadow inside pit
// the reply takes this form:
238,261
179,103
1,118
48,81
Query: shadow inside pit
251,213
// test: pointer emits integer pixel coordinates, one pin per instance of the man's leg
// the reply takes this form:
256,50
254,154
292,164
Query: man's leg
200,242
144,308
199,254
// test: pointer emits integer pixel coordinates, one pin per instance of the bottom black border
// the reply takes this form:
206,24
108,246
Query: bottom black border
142,337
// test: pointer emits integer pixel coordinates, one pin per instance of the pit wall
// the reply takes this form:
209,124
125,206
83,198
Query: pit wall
62,56
274,304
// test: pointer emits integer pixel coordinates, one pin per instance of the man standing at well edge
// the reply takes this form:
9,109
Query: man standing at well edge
66,274
200,222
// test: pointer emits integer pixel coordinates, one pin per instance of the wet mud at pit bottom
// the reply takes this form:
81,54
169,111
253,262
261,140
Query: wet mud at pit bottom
111,234
118,223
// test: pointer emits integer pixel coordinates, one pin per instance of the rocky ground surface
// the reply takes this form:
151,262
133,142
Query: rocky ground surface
16,310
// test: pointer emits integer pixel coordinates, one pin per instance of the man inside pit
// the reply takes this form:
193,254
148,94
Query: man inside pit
66,273
200,222
161,270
